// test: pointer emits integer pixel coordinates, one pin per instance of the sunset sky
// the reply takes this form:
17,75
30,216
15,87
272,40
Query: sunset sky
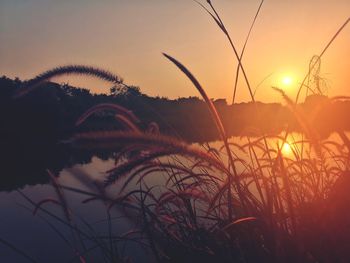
127,37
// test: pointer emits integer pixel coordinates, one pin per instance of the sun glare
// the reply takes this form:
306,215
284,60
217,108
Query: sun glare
287,80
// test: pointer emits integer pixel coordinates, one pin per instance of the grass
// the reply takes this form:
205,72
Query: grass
211,204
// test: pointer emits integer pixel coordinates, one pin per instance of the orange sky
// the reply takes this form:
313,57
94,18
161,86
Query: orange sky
128,36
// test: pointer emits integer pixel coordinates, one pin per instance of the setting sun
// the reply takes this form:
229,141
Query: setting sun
287,80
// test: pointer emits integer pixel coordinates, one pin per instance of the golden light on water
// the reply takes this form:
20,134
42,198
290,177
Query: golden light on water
286,149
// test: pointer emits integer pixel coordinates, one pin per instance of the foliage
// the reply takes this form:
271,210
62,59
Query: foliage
211,204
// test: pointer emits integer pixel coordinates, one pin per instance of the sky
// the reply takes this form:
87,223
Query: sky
128,37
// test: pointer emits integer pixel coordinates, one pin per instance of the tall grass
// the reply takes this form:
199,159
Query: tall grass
248,202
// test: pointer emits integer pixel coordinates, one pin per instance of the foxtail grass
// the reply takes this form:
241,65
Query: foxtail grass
210,204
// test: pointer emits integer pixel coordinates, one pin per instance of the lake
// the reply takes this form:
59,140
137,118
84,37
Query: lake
39,236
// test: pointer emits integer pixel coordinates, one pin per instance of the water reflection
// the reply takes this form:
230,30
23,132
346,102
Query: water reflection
37,235
28,165
32,233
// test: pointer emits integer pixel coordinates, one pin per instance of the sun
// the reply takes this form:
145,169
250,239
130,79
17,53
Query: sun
287,80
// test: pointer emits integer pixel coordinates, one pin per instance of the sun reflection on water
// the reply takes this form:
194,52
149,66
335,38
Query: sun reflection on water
286,149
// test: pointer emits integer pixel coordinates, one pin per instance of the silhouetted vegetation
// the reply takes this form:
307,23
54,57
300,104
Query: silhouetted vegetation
269,198
35,126
250,202
49,113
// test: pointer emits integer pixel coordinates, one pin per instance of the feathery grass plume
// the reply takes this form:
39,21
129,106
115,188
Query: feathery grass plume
68,70
107,106
217,21
220,127
320,56
124,116
210,104
127,124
